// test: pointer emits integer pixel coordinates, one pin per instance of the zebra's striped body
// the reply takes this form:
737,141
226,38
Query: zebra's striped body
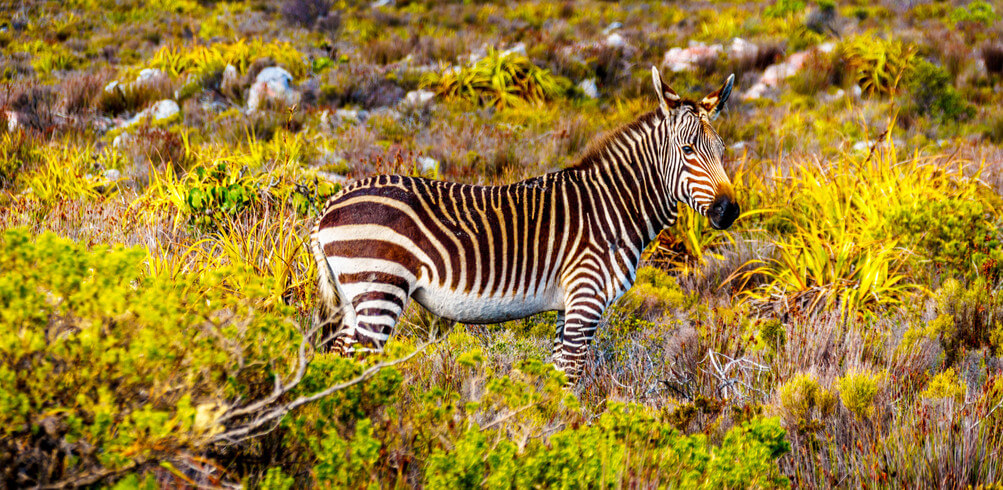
568,241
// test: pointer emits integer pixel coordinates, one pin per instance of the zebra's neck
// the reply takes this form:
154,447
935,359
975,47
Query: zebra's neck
626,183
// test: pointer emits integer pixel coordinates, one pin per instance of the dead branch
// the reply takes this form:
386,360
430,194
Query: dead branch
264,415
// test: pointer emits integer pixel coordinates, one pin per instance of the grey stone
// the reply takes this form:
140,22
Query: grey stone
615,40
273,84
418,99
589,88
427,164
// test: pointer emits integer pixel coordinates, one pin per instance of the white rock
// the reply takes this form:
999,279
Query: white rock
113,175
351,115
777,73
12,122
121,140
160,111
519,49
382,3
615,40
612,27
589,88
427,164
273,84
164,109
857,91
230,78
112,85
147,75
861,146
742,49
332,177
385,112
418,99
684,59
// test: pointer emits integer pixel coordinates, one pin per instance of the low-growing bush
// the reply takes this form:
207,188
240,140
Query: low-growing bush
805,402
933,94
627,446
971,315
945,385
858,390
88,337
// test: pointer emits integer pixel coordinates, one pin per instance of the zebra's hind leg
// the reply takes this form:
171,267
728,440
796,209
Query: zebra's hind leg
376,314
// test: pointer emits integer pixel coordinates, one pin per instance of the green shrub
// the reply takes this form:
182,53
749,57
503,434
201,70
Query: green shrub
977,12
626,446
117,369
972,316
857,390
945,385
933,94
654,292
804,403
957,233
783,8
499,80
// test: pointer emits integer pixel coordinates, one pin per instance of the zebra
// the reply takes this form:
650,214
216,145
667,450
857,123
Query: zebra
568,241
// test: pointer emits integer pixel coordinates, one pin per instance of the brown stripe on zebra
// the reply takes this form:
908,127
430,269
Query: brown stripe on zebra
568,241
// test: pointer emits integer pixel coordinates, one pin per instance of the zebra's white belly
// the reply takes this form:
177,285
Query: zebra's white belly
470,308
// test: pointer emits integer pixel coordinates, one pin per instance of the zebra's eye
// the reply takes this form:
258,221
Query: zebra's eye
687,149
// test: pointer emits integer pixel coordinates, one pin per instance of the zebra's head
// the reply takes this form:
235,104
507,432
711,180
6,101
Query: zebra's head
691,152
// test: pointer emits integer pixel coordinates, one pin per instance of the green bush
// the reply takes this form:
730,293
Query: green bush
116,369
978,12
857,390
957,233
627,446
972,317
945,385
933,94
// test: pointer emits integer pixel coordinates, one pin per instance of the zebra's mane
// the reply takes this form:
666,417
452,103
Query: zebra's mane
593,154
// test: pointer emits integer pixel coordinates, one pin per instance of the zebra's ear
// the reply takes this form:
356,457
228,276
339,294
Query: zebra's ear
667,98
713,103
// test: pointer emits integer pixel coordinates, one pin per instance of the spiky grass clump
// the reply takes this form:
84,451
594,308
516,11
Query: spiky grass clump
499,80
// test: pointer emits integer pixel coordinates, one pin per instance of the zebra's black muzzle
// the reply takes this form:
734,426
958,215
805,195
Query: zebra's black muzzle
722,212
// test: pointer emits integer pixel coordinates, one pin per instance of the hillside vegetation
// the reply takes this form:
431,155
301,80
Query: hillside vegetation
162,164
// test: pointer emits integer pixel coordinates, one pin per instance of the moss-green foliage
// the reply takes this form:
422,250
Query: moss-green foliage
783,8
85,340
978,12
499,80
933,94
654,291
958,232
627,445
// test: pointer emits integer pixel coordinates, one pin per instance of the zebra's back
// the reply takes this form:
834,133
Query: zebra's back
465,252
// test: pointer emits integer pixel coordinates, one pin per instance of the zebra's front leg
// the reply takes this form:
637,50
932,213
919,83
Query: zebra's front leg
580,322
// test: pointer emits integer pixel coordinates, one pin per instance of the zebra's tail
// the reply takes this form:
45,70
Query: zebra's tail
330,316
